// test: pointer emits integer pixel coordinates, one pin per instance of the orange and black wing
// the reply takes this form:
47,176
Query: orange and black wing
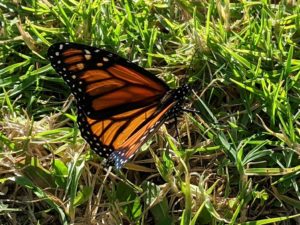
119,103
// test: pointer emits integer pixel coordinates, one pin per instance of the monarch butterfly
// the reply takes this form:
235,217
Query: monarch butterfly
120,105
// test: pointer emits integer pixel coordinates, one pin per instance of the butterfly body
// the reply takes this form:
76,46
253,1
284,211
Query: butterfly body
120,105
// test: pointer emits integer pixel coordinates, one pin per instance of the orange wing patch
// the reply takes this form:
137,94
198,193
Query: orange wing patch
72,51
134,77
116,130
94,75
132,144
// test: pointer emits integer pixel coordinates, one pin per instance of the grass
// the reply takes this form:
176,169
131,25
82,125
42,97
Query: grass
239,159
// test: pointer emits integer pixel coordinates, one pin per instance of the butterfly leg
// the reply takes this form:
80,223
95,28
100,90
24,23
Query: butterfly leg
190,111
177,130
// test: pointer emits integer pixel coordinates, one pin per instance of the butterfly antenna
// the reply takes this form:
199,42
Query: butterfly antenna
190,110
190,66
177,131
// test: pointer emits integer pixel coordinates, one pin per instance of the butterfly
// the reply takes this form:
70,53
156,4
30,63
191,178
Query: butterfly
120,105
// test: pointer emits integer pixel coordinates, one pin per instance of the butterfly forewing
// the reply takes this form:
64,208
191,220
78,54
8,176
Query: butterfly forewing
102,82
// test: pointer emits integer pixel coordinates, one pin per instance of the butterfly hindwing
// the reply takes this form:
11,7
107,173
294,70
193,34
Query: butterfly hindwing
119,137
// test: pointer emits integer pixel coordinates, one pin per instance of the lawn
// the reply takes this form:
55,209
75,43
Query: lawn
236,158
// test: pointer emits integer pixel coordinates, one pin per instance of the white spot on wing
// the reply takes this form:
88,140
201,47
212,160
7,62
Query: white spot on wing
87,56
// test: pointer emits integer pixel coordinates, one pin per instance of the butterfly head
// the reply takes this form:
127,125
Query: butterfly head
180,93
